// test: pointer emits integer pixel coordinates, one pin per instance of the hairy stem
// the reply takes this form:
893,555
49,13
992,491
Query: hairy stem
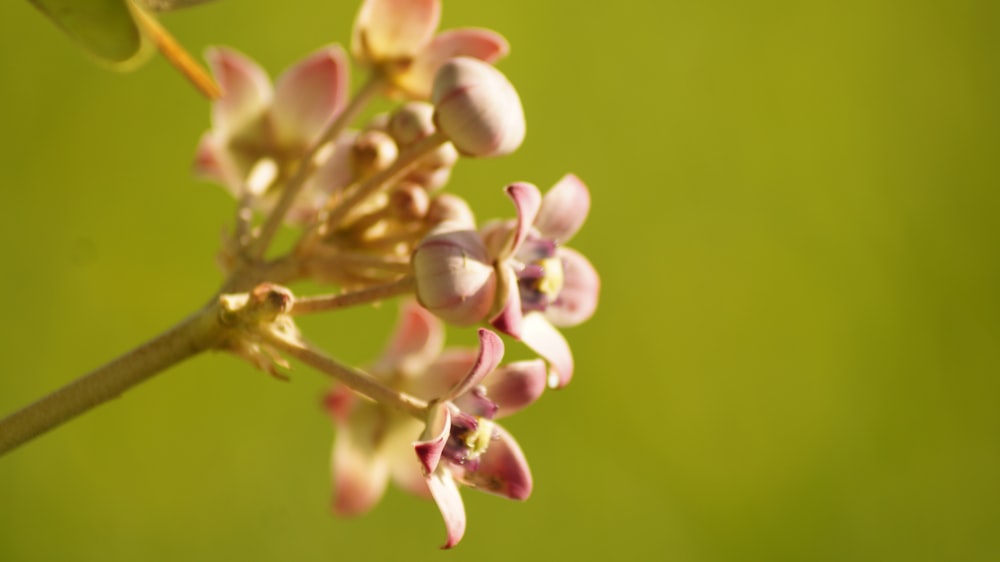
323,303
358,381
195,334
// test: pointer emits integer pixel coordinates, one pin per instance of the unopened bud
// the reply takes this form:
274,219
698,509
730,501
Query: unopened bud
409,201
454,279
450,208
477,108
411,122
373,151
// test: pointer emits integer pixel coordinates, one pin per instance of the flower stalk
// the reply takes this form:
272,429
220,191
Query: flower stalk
199,332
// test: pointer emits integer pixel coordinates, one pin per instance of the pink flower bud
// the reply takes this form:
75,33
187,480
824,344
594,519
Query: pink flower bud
477,108
455,280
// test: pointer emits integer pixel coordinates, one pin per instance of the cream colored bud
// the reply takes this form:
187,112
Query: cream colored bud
477,108
373,151
450,208
412,122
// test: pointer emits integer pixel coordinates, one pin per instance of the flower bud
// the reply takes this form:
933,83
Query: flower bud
373,151
411,122
408,201
450,208
454,279
477,108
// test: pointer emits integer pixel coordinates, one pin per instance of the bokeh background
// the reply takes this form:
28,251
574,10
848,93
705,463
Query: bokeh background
796,219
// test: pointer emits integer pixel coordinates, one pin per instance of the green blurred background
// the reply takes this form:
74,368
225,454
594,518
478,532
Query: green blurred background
796,354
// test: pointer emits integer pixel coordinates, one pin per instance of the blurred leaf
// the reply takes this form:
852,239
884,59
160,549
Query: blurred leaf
105,28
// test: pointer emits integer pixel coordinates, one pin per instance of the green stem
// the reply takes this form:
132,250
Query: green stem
195,334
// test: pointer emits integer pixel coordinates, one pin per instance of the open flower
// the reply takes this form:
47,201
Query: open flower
516,273
260,132
397,37
541,283
462,444
375,444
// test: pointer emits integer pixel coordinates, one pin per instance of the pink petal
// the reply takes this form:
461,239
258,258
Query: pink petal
516,385
434,438
454,279
246,90
309,94
527,200
579,294
339,403
360,475
483,44
418,339
397,449
212,162
545,340
490,354
502,470
509,319
444,373
449,502
393,29
564,209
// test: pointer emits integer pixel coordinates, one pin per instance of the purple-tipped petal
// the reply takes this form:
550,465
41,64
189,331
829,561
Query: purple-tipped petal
454,279
246,90
564,209
360,474
386,30
516,385
418,339
434,438
483,44
510,317
527,200
490,354
449,502
545,340
309,94
502,470
579,294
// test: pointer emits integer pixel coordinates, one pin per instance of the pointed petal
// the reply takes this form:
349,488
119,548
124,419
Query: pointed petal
490,354
309,94
449,502
246,90
212,163
564,209
444,373
339,402
433,439
545,340
393,29
578,297
418,339
502,470
516,385
483,44
510,317
360,475
397,449
527,200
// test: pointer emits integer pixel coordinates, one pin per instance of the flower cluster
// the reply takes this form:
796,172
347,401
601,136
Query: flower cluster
373,218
